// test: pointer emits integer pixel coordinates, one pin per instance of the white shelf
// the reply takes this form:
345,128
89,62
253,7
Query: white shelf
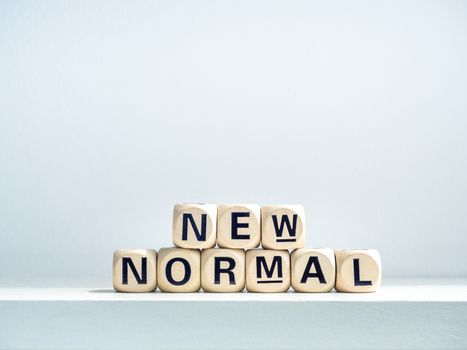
423,315
391,293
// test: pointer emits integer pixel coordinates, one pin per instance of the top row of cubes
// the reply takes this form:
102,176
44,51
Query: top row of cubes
241,226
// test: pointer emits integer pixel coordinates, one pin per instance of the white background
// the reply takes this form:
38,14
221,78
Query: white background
111,112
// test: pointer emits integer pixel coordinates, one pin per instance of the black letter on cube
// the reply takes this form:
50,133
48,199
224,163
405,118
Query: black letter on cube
168,271
218,270
291,228
356,274
276,262
126,261
200,236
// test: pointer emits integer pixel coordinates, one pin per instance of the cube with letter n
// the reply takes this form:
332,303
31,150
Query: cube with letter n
134,270
194,225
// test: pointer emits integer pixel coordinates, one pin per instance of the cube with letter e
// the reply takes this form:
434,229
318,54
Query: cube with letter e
239,226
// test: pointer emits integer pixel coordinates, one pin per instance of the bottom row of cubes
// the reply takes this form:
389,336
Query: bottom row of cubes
259,270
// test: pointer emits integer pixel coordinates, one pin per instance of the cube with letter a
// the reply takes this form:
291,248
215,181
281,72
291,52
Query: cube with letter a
313,270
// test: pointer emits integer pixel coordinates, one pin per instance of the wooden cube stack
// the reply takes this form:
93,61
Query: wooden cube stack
238,263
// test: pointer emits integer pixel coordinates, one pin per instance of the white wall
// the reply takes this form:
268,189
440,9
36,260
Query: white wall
112,112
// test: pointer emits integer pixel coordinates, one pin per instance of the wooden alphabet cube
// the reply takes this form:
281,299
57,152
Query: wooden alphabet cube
134,270
358,271
313,270
267,271
283,227
239,226
194,225
179,270
223,270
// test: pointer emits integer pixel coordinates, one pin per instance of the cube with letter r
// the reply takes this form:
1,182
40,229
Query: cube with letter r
282,226
194,225
223,270
134,270
267,271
